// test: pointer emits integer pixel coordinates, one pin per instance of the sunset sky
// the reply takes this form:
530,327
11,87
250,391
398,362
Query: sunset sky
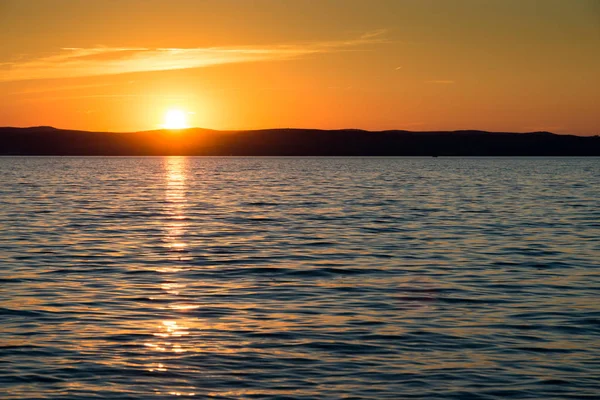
503,65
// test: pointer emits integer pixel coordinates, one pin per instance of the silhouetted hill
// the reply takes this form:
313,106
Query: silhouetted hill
293,142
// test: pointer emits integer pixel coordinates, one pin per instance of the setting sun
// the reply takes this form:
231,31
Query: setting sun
175,119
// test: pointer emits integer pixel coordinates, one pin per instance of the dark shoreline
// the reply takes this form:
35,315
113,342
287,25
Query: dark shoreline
292,142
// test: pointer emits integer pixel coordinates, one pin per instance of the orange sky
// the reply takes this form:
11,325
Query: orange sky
514,65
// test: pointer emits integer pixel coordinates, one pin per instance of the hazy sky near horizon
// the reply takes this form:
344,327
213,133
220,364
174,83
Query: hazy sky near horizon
504,65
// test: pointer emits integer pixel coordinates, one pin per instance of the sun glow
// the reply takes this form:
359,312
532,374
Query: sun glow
175,119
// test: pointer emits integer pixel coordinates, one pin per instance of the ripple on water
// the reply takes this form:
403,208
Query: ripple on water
155,278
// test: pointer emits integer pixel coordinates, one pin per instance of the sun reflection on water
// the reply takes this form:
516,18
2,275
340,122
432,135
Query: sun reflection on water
170,333
176,201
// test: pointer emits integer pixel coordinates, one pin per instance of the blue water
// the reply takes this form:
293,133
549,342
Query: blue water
251,278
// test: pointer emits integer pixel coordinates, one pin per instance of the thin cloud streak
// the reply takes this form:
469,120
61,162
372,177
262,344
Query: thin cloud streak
442,82
78,62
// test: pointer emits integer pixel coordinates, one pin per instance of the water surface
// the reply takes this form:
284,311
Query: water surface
379,278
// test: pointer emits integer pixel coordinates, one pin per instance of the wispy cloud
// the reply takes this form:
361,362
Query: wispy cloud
65,88
116,97
77,62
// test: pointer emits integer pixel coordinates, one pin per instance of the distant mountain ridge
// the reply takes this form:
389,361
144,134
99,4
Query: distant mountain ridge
46,140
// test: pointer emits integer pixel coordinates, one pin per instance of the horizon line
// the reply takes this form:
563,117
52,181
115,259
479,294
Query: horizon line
298,128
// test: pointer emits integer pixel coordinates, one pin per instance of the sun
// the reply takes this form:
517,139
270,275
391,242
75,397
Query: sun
175,119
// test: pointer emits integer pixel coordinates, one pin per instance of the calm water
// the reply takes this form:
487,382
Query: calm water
152,278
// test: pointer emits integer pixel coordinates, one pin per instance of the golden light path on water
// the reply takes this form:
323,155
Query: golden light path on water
169,333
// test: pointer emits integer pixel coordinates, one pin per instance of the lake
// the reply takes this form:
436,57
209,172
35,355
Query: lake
299,278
